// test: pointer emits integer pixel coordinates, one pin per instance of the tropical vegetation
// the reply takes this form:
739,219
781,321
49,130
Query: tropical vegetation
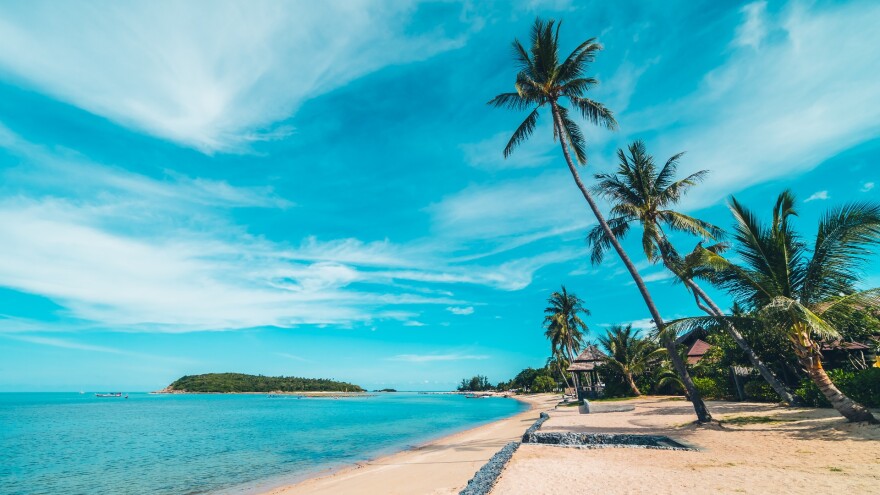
543,81
240,383
798,307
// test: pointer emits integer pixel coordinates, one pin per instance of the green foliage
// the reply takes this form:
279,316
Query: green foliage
239,382
477,383
543,384
760,391
564,327
861,386
711,388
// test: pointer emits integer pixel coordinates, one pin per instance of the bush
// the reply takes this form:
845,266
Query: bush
860,386
760,391
543,383
710,388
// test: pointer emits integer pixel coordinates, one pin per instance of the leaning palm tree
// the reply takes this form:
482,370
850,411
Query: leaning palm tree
628,354
560,363
640,193
805,294
546,82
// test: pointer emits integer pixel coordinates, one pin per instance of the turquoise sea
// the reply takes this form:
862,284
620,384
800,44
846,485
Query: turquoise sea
62,443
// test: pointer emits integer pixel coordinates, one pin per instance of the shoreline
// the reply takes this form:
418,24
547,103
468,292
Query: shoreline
442,466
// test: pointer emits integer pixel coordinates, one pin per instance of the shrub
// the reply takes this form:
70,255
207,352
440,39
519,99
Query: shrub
760,391
860,386
543,383
710,388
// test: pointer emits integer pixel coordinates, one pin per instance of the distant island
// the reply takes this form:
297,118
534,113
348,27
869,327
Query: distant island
241,383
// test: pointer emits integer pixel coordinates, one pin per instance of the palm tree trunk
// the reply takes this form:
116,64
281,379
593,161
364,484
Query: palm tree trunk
562,374
702,412
847,407
632,384
713,310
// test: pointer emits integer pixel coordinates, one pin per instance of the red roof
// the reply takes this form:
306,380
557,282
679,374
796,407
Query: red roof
697,351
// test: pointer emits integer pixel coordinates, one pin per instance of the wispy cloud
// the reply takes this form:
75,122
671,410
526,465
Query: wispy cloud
867,186
754,28
819,195
197,270
79,346
791,113
213,78
427,358
461,311
413,323
293,357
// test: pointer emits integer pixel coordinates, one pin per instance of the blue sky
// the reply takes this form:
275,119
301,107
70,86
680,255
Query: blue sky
273,188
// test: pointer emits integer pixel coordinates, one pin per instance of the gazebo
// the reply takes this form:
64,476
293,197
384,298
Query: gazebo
590,384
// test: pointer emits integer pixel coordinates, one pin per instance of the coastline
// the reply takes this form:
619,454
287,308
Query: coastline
440,466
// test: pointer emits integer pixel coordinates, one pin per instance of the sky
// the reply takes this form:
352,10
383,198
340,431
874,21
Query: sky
273,188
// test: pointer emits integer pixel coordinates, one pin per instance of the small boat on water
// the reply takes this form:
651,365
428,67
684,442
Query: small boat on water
111,394
477,396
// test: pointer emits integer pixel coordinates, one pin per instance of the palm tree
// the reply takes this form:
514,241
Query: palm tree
560,363
565,328
628,354
641,193
805,294
543,81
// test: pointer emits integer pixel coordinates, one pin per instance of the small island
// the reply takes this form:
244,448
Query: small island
231,383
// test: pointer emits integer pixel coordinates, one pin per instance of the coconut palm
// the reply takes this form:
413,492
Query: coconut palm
558,362
564,327
545,82
805,294
628,354
640,193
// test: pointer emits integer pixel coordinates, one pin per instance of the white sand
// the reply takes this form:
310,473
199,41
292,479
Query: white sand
814,451
440,467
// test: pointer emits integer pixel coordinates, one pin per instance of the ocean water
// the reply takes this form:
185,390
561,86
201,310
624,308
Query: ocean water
62,443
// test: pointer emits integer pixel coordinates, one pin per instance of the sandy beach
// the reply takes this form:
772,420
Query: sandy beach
769,449
443,466
802,451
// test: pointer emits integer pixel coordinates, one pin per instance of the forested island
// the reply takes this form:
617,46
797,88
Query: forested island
241,383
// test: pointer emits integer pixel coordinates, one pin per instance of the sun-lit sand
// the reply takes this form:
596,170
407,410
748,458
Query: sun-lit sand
440,467
807,451
801,451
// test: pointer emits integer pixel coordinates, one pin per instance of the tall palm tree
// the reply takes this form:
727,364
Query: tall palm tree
544,81
564,327
628,354
640,193
805,294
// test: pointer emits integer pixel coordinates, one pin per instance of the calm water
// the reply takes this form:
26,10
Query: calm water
188,444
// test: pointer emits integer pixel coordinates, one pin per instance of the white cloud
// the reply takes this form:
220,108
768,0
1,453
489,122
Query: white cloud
753,30
773,112
820,195
427,358
78,346
867,186
125,251
469,310
214,76
413,323
293,357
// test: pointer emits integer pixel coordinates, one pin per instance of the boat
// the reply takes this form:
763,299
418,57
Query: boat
112,394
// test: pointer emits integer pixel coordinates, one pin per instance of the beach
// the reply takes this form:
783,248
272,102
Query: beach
757,448
801,451
442,466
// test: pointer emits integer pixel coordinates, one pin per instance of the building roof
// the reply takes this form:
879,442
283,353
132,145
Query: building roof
842,345
588,359
696,352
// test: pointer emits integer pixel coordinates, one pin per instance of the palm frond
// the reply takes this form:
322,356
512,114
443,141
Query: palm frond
572,135
522,132
593,111
599,241
844,240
